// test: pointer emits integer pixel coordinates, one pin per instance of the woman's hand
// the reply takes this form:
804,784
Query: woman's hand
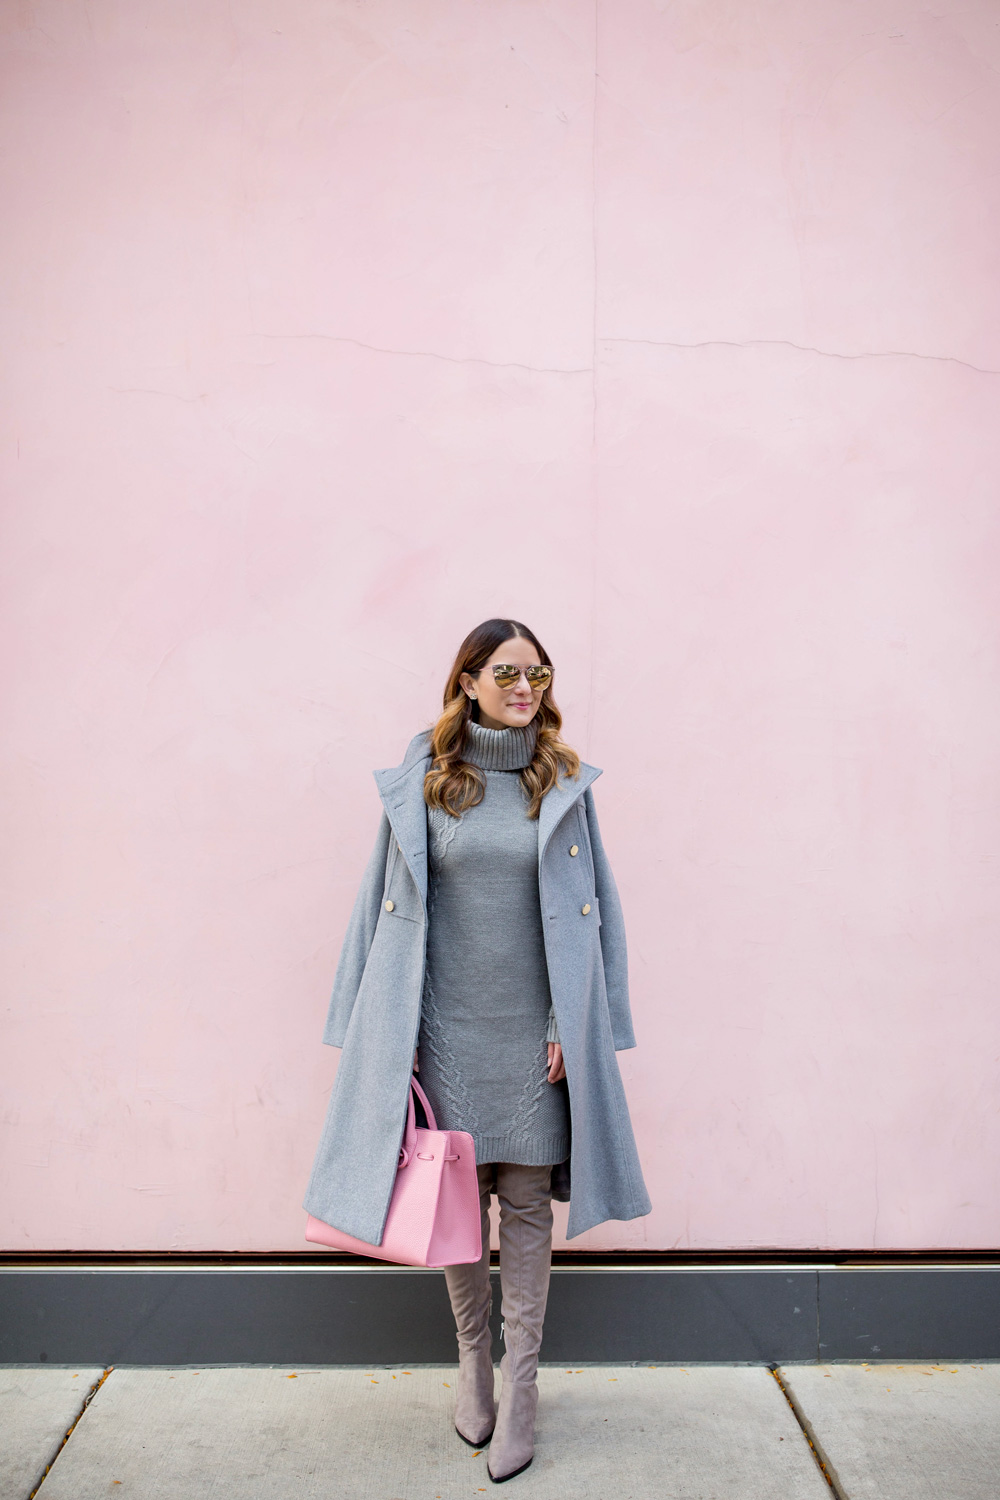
416,1061
557,1068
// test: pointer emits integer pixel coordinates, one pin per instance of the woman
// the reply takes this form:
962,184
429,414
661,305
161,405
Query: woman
488,932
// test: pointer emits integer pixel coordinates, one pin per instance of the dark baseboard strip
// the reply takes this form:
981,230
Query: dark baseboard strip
658,1259
290,1313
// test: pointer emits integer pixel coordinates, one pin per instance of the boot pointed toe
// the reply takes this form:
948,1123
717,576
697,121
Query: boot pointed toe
513,1445
502,1478
479,1442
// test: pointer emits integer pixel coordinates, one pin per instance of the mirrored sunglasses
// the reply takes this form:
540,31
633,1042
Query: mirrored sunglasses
506,676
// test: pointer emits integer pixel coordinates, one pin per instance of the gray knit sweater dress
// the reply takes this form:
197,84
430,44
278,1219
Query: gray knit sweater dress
486,1014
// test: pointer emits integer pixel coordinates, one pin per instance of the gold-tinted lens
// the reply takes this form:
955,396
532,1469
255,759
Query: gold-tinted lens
506,677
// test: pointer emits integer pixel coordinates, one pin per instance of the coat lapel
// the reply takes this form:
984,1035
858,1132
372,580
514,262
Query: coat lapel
557,802
402,793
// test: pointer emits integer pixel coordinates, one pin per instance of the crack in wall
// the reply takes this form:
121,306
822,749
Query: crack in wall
451,359
510,364
946,359
595,495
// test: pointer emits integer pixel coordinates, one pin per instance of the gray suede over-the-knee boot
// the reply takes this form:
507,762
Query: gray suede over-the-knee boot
471,1297
525,1266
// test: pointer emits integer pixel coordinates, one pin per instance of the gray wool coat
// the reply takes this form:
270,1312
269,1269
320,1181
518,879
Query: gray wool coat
375,1010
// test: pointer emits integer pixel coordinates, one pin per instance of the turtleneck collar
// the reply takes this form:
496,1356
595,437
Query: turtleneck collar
500,749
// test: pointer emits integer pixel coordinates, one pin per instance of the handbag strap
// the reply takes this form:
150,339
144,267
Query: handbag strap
409,1145
429,1113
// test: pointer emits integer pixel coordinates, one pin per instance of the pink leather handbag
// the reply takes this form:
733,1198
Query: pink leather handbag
434,1215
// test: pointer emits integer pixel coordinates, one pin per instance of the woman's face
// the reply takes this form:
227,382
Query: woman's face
505,708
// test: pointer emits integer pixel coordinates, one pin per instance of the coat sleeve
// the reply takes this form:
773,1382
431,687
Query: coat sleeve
358,940
613,945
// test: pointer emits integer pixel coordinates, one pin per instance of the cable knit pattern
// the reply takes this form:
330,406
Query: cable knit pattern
486,1013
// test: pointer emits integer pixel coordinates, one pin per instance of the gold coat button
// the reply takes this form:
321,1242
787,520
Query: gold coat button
391,906
574,849
586,908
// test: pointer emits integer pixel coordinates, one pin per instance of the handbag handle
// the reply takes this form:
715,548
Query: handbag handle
409,1145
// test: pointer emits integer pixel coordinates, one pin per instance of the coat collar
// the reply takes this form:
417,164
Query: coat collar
557,803
402,791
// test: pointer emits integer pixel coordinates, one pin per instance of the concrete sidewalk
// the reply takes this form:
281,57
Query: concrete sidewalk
653,1433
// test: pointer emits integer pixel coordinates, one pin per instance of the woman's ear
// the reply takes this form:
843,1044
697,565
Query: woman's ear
469,684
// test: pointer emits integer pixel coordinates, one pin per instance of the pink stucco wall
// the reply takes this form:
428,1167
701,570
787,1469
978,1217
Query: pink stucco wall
332,328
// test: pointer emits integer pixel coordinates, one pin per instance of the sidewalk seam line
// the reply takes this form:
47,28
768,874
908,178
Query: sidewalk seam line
70,1430
819,1453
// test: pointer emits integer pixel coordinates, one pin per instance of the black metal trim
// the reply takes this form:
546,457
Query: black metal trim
988,1255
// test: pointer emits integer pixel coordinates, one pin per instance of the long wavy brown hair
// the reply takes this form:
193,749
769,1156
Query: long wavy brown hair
452,783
